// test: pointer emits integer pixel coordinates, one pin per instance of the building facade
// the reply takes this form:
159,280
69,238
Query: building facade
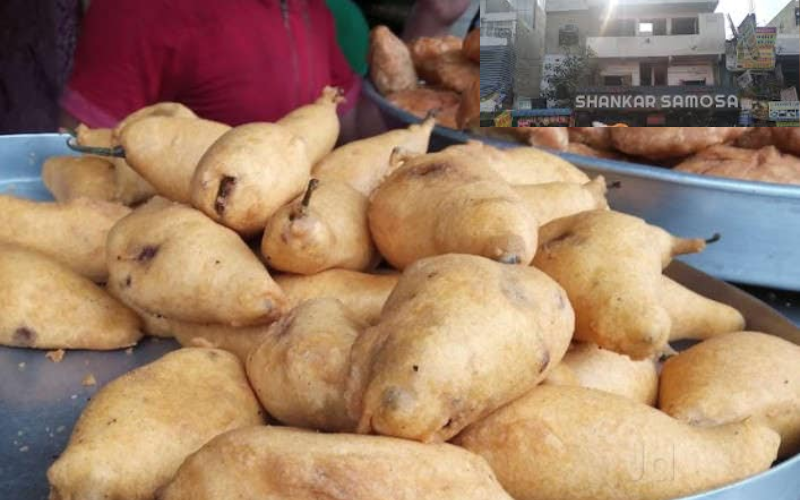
662,49
518,24
788,20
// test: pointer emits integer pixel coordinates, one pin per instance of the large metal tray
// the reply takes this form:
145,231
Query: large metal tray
759,222
41,400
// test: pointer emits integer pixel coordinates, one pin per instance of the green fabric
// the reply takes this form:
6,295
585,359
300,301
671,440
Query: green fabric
352,33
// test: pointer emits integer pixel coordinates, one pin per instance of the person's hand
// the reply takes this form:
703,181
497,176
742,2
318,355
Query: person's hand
433,17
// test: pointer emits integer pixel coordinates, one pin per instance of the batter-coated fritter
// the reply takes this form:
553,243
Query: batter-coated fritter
390,64
658,143
46,305
136,432
280,463
765,165
73,233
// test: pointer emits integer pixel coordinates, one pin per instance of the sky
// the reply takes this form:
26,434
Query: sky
765,9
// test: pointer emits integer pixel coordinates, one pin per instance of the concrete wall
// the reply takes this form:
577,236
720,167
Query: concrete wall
677,74
785,21
621,68
710,41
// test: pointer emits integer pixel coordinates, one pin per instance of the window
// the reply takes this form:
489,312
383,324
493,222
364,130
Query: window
685,26
797,16
568,35
617,80
652,27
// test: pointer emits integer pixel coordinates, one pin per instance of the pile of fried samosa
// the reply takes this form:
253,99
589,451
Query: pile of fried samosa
438,75
470,324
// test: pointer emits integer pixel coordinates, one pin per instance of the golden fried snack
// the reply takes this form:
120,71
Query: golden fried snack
755,138
239,341
326,228
556,138
584,150
469,112
472,45
443,203
317,123
165,151
299,370
459,337
787,139
168,259
734,377
365,163
456,72
594,137
249,173
764,165
168,109
553,200
46,305
71,177
694,316
363,294
658,143
280,463
598,368
130,187
423,101
610,265
521,165
561,375
426,51
73,233
390,64
573,443
136,432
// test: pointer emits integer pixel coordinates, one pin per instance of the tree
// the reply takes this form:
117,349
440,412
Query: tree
576,70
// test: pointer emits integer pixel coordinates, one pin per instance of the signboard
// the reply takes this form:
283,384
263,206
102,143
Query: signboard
784,111
650,101
766,38
747,37
503,119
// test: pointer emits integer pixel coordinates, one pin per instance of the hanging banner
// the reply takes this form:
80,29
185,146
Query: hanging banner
740,58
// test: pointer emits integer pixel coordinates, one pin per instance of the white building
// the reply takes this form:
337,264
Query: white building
642,42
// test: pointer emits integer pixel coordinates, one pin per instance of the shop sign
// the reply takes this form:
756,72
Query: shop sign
766,38
784,111
503,119
544,121
651,101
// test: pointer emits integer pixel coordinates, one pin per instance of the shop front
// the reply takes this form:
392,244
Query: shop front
657,106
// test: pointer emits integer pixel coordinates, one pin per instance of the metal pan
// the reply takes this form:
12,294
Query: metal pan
759,222
41,400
